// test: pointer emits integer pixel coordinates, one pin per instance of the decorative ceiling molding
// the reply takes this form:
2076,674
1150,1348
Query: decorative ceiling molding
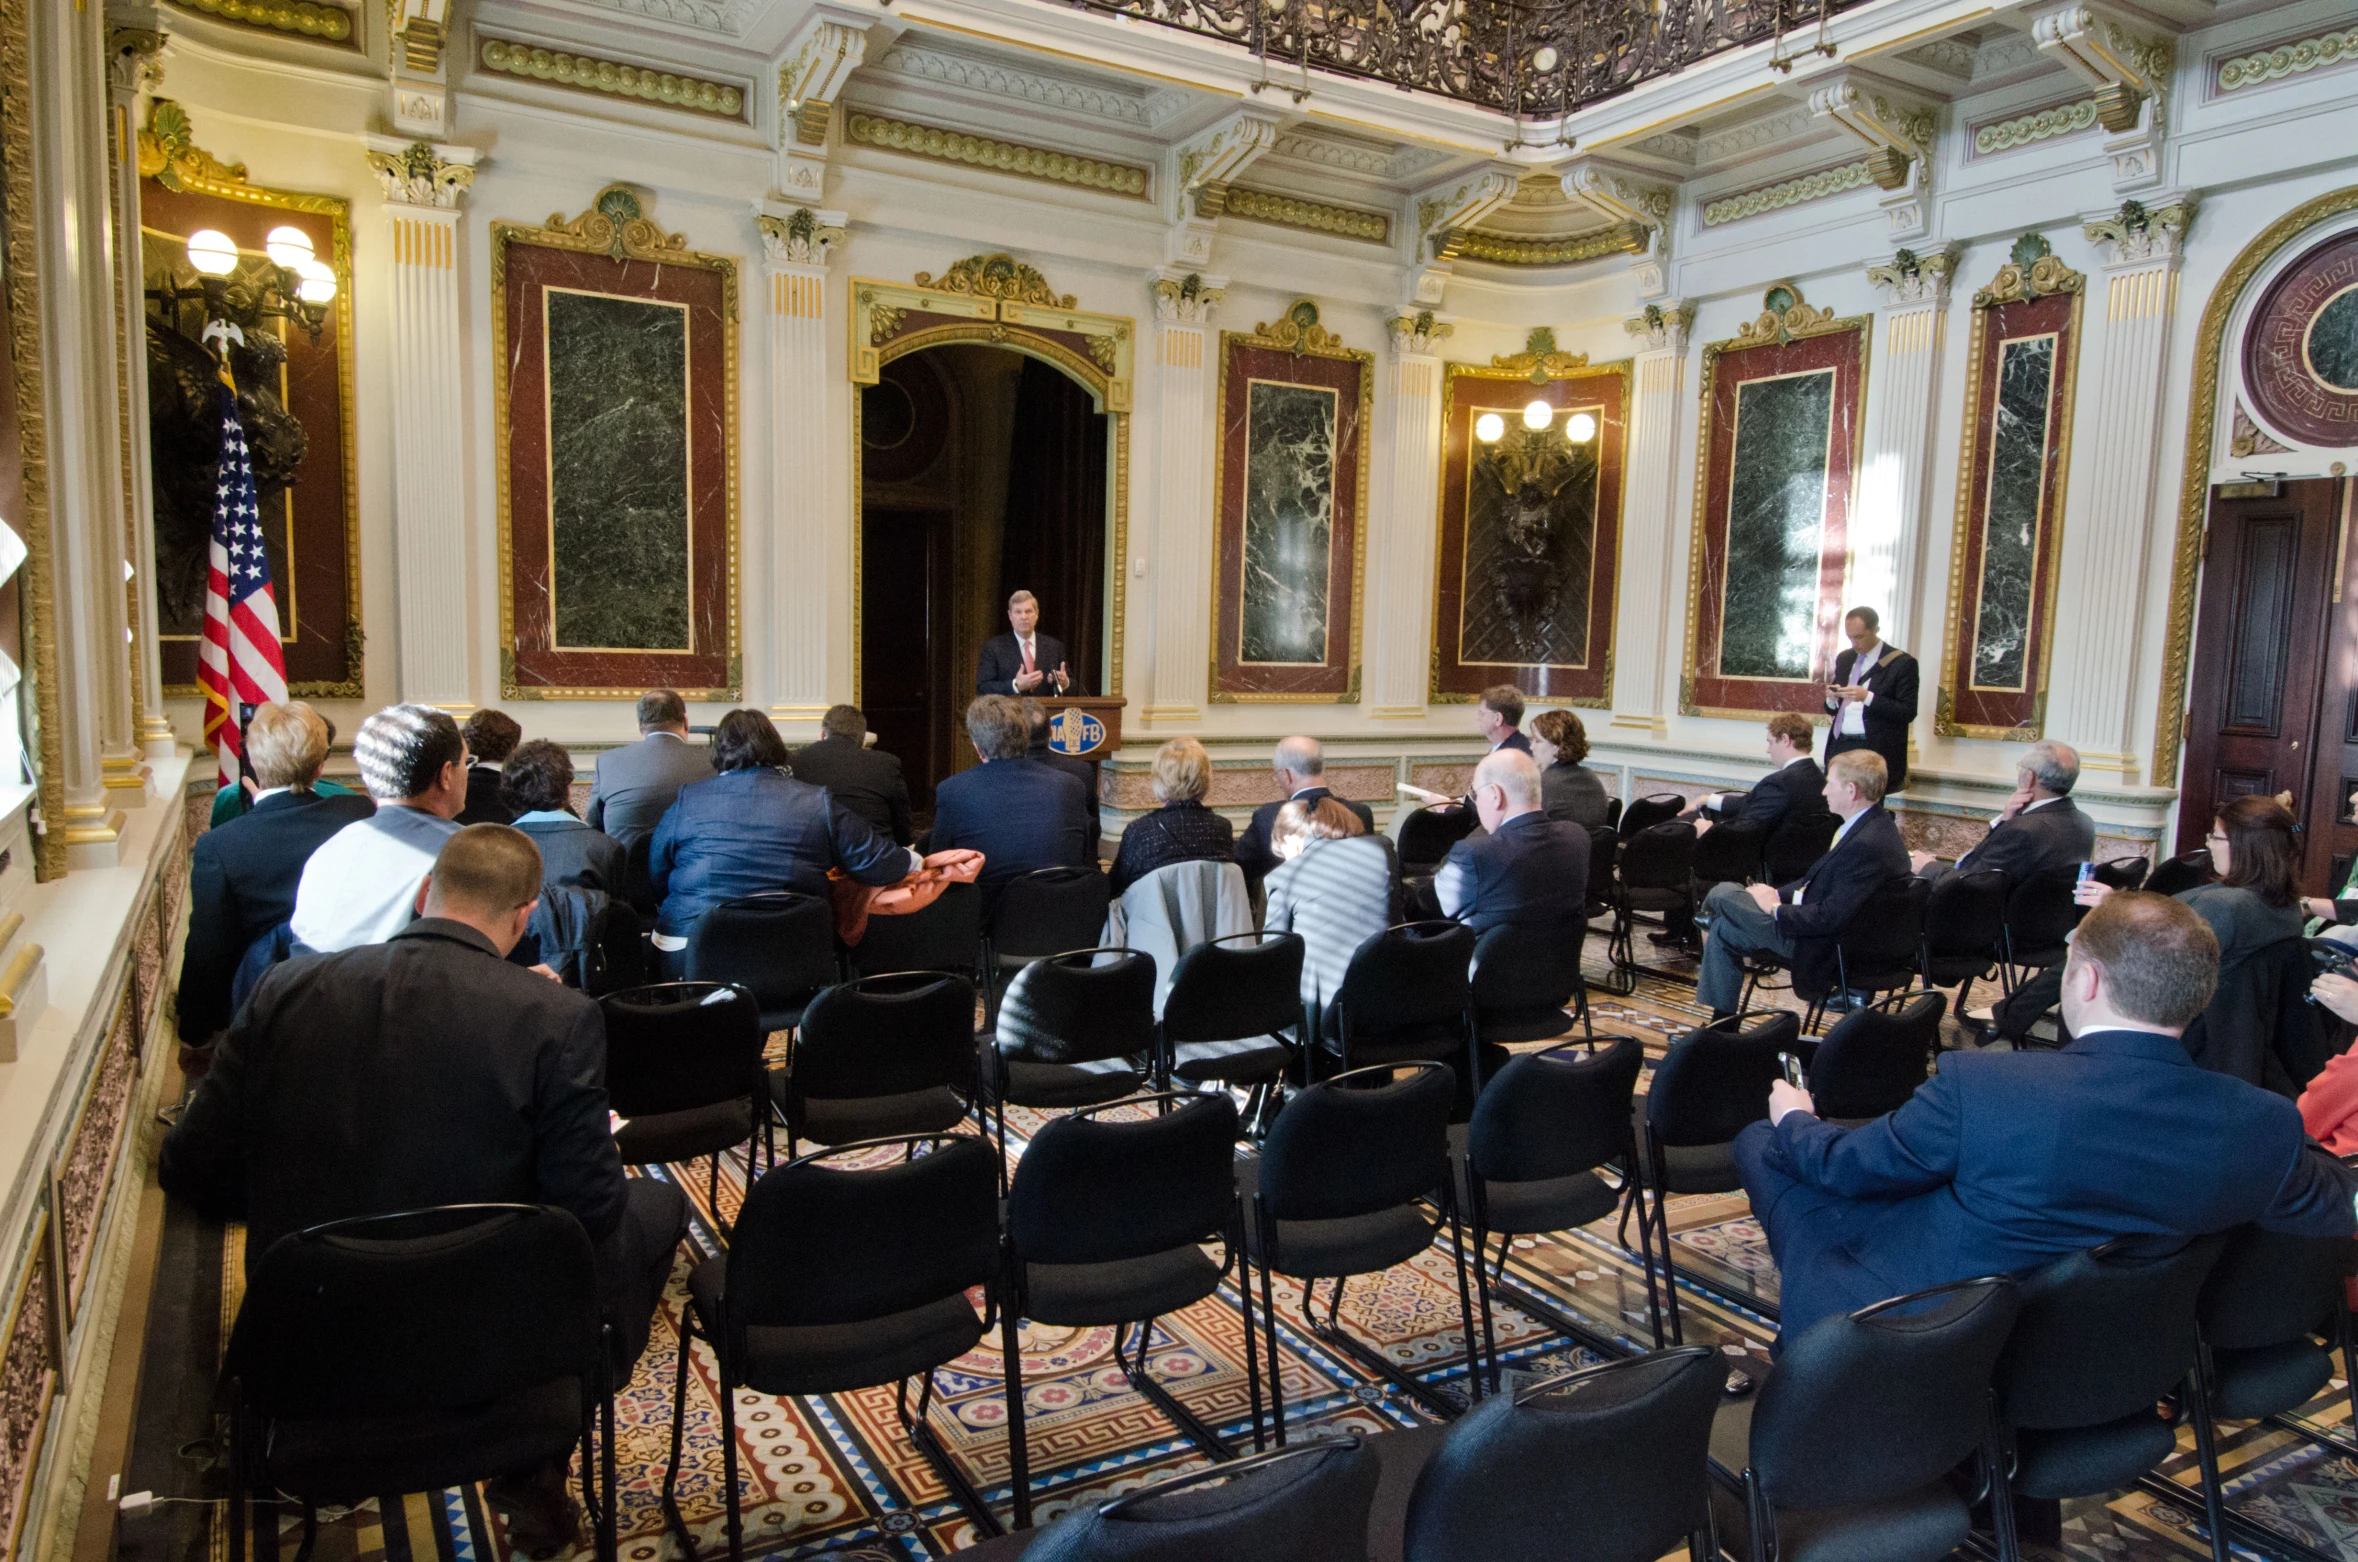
1672,146
1501,249
1291,211
1787,192
2005,54
2282,61
988,76
1950,56
2045,124
1351,157
1754,134
613,78
289,18
1027,162
730,18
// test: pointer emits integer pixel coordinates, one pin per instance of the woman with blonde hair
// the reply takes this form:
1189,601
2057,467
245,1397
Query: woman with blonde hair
1334,884
1182,829
1569,791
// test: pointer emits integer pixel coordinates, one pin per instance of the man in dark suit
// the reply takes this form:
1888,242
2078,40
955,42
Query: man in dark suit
242,875
636,785
1023,661
1872,697
2006,1160
2039,828
1300,767
1524,868
427,1070
492,735
1019,813
1794,791
866,780
1799,920
1500,716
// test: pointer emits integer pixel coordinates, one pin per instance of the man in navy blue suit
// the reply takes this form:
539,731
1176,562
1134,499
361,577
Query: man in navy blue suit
1525,867
1019,812
1023,661
1500,716
2003,1161
1300,767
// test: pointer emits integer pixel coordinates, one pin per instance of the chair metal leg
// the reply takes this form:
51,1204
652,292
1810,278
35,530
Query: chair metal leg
1244,1308
921,1435
237,1471
1019,1467
1661,1165
1269,1337
1190,1425
1482,1283
2206,1450
728,1399
608,1530
1465,1300
671,1474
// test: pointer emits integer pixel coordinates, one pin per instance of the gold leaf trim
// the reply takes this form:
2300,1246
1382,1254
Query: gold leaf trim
169,155
1784,317
1288,211
997,276
1297,331
587,73
300,18
2060,119
2290,59
1502,249
1788,192
1029,162
2048,274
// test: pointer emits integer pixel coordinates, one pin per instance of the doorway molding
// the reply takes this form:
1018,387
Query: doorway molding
998,301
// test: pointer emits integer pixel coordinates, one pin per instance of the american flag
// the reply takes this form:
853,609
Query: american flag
239,663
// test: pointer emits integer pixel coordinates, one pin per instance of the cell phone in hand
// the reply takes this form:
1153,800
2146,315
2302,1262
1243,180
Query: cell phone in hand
1792,1067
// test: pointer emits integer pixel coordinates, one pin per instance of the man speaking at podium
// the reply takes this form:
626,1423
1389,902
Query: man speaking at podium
1023,661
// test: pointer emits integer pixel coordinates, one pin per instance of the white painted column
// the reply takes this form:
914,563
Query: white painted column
803,507
423,186
1646,642
2110,516
1400,541
1895,479
1183,351
133,73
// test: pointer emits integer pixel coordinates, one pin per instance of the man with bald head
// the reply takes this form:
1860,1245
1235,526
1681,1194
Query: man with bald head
1524,867
1300,767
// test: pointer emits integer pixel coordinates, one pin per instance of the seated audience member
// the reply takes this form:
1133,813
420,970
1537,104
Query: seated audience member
1525,867
1036,722
492,735
1334,884
1499,716
1572,793
1795,790
2329,1107
1798,921
1182,829
2039,828
361,886
2006,1160
753,830
1299,764
427,1070
636,784
231,802
242,875
537,784
1019,813
866,780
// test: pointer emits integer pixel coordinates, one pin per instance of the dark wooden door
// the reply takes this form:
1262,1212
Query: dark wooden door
905,651
2269,606
2329,809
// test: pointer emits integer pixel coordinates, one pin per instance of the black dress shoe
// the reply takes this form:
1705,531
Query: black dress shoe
1681,941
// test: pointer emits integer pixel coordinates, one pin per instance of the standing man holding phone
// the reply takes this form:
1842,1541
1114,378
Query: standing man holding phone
1023,662
1872,696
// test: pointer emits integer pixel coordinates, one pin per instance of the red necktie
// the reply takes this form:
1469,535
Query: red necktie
1027,657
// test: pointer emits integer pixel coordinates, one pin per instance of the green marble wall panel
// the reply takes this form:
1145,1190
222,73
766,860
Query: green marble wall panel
618,470
1776,525
2010,524
2333,341
1288,522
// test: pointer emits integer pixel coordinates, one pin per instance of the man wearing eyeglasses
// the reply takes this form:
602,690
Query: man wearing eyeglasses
1525,867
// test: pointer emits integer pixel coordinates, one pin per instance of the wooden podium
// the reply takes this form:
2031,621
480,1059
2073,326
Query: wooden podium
1085,726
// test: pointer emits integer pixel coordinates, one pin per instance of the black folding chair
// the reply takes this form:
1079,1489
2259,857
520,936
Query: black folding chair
1427,834
1726,854
2040,914
1964,930
684,1071
778,947
1710,1086
1407,994
2176,875
638,875
843,1277
945,936
1879,950
1653,876
1613,813
880,1057
1846,1450
1604,858
1650,810
1106,1225
1526,983
1308,1503
1341,1188
2126,872
1606,1465
1076,1029
1232,1002
1044,912
1875,1057
1796,844
1539,1135
418,1351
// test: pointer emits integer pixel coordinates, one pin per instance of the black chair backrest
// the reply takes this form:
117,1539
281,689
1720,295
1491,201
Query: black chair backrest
1232,988
2040,911
1409,975
638,874
1660,856
1352,1146
429,1310
1050,910
1714,1081
1604,855
1555,1113
1871,1405
1797,842
1096,1190
2269,1287
780,947
1604,1466
821,1242
945,936
1066,1009
1648,811
886,1036
1966,913
1613,813
1527,965
2103,1333
2124,872
1729,853
680,1045
1307,1503
1886,934
1427,835
1875,1057
2175,875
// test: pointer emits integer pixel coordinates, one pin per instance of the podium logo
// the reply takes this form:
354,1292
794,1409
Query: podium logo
1075,733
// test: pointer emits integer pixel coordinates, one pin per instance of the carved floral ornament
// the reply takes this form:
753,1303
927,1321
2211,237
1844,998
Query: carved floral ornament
617,222
997,276
2033,271
1421,332
1916,278
1785,317
1297,331
1187,300
1539,360
799,238
169,155
418,175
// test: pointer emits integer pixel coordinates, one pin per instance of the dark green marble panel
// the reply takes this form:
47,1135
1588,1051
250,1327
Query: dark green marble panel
618,470
2010,524
1288,521
1776,526
2333,341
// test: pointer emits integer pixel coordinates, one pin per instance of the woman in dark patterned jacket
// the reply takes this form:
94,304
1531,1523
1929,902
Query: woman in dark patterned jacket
1183,829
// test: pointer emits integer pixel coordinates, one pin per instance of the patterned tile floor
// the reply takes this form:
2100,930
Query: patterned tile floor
836,1475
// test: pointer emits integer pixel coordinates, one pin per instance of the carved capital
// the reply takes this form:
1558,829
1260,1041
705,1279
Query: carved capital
1187,299
2141,235
1418,335
800,238
134,60
423,174
1662,327
1911,277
